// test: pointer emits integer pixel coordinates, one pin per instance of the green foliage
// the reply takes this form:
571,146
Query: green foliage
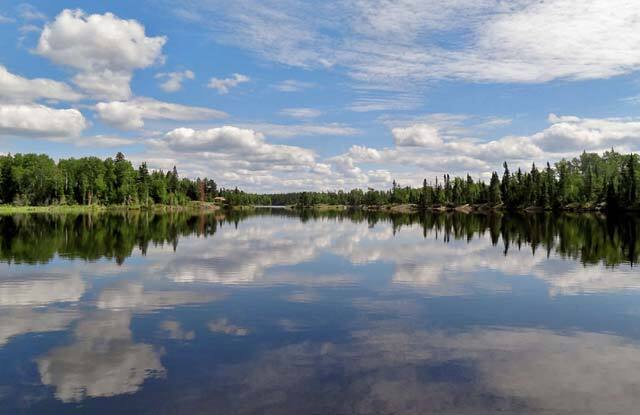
36,180
583,182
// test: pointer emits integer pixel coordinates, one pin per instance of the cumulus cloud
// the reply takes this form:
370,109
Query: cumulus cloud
244,156
103,47
225,84
445,144
567,134
172,81
105,84
417,135
40,121
301,112
130,115
244,143
221,138
15,88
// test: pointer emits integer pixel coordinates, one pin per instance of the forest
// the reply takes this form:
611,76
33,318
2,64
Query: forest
589,181
37,180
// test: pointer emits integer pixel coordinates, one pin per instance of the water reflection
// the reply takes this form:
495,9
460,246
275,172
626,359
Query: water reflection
591,238
388,369
16,321
280,313
39,289
102,361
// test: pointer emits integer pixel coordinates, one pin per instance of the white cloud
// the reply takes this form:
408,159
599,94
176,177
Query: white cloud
40,121
130,115
247,144
14,88
299,130
104,48
29,12
5,19
172,81
105,84
226,137
346,166
28,28
301,112
417,135
224,85
368,102
292,85
240,157
632,99
104,141
402,43
444,144
567,134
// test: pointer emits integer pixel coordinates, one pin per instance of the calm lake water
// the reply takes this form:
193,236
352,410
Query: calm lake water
277,313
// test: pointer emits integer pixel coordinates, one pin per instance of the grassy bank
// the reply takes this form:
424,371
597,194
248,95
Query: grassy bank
10,209
191,206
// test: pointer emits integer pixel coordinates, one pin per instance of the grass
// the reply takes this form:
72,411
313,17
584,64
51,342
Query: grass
12,209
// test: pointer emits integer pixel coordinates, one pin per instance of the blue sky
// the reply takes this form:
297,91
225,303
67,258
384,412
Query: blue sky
289,95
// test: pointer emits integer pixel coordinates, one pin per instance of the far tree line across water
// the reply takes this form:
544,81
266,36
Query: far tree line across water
588,181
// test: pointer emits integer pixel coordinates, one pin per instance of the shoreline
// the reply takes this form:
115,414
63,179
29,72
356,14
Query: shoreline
193,206
212,207
466,208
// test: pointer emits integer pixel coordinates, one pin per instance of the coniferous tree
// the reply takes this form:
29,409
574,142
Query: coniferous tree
495,194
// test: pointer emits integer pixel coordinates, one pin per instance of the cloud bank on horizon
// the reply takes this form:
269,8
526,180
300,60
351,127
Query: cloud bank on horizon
293,95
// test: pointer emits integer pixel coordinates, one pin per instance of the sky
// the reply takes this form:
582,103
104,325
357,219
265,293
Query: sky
283,95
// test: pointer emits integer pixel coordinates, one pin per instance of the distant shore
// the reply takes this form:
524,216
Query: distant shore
466,208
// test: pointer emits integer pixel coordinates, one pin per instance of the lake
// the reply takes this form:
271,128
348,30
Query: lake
274,312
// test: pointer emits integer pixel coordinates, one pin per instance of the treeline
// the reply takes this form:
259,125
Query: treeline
37,180
587,181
